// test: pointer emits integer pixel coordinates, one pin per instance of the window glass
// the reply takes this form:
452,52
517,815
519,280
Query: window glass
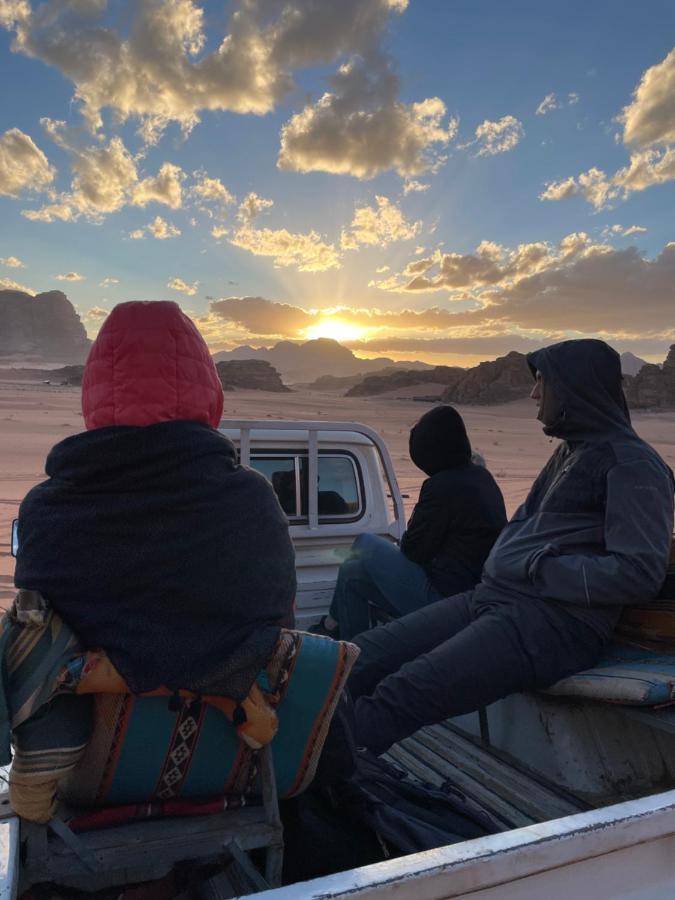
338,488
280,472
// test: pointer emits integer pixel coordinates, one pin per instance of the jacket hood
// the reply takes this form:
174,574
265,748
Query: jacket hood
585,377
149,364
439,441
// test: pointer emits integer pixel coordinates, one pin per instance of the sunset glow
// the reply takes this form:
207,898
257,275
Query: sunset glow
335,329
429,180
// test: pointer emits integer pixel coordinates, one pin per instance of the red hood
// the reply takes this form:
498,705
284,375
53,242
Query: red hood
149,364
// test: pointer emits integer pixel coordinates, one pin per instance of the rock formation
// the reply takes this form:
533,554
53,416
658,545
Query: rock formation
654,386
302,362
631,364
250,374
403,378
70,375
44,327
498,381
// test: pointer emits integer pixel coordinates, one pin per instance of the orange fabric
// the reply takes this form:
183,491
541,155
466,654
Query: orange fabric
101,677
150,364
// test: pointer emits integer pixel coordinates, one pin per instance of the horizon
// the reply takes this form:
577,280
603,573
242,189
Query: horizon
420,181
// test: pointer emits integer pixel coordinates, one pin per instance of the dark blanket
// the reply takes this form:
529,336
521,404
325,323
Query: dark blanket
152,543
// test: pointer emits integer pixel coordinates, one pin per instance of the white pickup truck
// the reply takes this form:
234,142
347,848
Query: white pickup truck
582,787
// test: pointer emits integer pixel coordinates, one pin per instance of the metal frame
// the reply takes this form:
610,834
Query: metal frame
247,426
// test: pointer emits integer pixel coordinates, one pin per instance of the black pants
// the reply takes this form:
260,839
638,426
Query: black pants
457,655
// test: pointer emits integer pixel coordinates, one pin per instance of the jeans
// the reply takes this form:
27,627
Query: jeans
377,571
458,655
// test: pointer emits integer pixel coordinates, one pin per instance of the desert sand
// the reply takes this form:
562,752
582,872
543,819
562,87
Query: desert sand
35,416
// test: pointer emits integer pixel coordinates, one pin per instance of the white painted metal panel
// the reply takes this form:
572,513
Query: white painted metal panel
9,858
624,851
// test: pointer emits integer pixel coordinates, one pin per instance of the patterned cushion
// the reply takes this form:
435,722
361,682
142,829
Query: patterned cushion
624,675
143,750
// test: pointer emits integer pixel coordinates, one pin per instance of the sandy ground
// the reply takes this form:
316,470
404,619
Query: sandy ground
34,416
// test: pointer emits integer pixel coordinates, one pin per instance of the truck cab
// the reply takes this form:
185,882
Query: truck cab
334,481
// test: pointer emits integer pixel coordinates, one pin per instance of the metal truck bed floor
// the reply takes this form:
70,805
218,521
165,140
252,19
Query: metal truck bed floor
511,794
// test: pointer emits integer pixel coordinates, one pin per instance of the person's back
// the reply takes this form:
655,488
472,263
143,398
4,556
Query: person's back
460,511
149,539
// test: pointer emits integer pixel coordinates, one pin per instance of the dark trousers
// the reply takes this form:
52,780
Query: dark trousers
376,571
457,655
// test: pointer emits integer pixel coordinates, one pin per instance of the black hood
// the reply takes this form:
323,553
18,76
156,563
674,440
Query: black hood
439,441
585,377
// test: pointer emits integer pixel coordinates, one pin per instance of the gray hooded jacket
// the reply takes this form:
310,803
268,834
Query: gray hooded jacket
595,531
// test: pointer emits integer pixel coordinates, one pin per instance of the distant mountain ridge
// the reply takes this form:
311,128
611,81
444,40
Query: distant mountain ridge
306,361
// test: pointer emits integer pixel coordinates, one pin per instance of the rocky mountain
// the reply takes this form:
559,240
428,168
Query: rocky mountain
498,381
631,364
250,374
653,386
341,382
302,362
70,375
403,378
44,327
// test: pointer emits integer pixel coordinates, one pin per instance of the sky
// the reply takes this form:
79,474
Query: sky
444,180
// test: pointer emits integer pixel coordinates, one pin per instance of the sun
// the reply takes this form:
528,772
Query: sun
336,329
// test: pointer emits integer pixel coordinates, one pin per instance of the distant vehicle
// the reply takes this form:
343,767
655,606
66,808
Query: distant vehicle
582,786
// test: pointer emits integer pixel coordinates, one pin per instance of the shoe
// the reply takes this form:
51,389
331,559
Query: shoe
321,629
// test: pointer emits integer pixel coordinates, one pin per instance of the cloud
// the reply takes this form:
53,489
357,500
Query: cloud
649,134
305,252
381,269
165,187
137,234
23,166
108,282
490,266
70,276
498,137
177,284
212,190
623,230
549,102
361,129
156,69
378,226
617,292
162,230
650,118
218,232
11,262
251,207
262,317
8,284
412,186
96,314
552,101
105,178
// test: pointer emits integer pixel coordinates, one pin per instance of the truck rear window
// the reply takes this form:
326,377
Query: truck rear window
339,495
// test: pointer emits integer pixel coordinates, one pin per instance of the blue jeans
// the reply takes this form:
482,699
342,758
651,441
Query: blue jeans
377,571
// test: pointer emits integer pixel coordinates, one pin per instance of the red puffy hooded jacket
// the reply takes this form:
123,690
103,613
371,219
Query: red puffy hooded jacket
149,364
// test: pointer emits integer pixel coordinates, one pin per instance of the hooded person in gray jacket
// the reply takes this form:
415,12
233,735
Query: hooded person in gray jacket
593,536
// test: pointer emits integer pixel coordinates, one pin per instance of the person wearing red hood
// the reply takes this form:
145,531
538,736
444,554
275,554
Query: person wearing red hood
148,538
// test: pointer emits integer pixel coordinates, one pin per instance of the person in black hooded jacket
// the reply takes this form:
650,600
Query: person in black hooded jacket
454,524
594,535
